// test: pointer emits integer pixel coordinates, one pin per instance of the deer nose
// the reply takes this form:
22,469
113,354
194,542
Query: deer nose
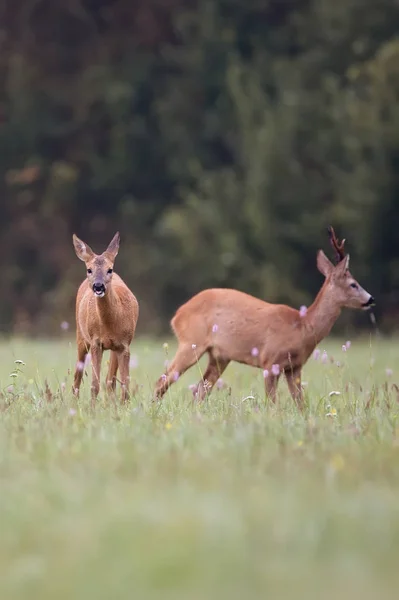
370,301
98,287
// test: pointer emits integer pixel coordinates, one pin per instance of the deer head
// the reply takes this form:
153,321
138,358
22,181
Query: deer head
99,268
345,288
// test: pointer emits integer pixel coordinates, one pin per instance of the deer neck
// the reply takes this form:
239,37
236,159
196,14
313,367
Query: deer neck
106,306
322,314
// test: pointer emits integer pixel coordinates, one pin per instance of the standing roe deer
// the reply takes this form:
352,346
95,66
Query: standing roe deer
233,326
106,317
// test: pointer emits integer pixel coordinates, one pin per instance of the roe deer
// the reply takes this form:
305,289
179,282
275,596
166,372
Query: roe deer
106,317
232,326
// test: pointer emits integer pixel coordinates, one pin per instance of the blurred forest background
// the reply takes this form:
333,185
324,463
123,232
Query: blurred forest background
220,137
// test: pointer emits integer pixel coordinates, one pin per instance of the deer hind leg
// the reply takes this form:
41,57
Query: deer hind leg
112,371
293,377
83,351
215,368
123,362
186,357
96,357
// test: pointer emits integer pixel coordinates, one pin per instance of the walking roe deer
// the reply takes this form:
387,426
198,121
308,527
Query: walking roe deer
233,326
106,317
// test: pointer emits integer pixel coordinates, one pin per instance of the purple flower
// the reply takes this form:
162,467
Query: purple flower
192,387
220,383
316,354
133,363
265,373
72,412
64,325
344,348
324,357
302,311
215,328
163,377
255,352
175,375
80,365
348,344
276,370
388,372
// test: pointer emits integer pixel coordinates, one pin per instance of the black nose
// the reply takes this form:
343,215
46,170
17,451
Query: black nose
98,287
370,301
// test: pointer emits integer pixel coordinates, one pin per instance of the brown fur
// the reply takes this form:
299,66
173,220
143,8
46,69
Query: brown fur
104,323
281,336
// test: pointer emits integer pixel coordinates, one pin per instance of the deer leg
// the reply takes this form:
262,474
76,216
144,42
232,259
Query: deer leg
213,371
123,361
293,377
112,371
271,383
96,357
185,357
83,351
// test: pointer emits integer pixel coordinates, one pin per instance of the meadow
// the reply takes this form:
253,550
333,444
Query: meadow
226,499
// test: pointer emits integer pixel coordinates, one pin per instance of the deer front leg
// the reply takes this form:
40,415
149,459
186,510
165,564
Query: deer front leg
96,357
112,371
123,361
293,377
271,382
80,365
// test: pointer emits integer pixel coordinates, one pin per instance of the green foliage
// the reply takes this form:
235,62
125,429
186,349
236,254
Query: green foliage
221,137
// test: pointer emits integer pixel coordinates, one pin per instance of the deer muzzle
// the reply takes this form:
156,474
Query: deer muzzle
370,302
99,289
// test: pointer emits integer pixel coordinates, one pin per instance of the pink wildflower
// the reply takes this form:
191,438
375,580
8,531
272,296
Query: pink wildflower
276,370
255,352
175,375
316,354
344,348
302,311
220,383
215,328
324,357
72,412
133,363
80,365
64,325
265,373
348,344
388,372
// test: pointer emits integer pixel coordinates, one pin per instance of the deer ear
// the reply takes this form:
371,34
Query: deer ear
113,247
324,265
83,251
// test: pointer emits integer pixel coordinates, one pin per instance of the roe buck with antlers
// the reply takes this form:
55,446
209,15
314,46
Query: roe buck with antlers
232,326
106,317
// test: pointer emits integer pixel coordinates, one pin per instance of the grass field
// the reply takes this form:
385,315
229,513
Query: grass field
232,498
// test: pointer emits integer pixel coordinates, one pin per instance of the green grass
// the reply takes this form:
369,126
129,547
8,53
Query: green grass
229,499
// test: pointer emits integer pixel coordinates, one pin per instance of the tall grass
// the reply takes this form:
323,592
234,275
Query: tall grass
232,498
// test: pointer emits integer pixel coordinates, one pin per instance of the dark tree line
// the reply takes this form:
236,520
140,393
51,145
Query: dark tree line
220,137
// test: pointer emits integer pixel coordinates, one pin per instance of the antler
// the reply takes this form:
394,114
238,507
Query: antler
338,246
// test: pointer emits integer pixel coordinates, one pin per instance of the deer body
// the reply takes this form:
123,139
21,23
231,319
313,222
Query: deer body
106,317
233,326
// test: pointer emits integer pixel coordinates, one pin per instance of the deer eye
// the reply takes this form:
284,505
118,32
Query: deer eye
89,271
354,286
109,271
